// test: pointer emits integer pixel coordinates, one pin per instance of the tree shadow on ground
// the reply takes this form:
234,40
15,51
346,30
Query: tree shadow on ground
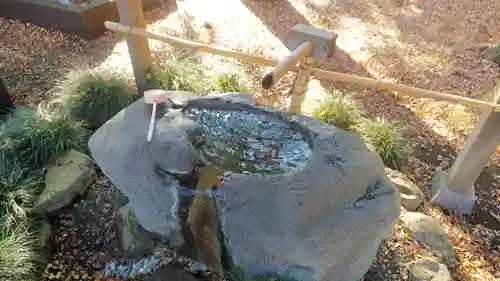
431,149
427,36
36,58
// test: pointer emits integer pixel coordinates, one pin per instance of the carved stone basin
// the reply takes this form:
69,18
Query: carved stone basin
298,198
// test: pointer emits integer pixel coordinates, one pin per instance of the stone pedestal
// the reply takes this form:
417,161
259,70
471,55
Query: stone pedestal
454,189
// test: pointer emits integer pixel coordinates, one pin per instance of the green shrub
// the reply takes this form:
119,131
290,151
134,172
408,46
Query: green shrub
177,73
224,83
94,96
17,121
14,125
496,55
18,191
20,259
386,138
338,110
47,138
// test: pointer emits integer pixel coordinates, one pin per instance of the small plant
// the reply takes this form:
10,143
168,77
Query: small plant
47,138
459,119
19,258
224,83
386,138
177,73
94,96
339,110
18,190
208,25
496,55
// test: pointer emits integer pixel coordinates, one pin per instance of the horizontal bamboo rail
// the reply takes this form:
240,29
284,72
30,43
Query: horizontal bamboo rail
319,73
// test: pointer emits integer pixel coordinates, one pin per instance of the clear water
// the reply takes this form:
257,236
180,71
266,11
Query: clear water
241,141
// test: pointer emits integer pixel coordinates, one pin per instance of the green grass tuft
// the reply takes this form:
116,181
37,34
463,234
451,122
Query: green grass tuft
339,110
18,191
20,259
94,96
224,83
177,73
48,138
386,138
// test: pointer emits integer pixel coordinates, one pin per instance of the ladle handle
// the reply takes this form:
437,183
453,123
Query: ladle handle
152,122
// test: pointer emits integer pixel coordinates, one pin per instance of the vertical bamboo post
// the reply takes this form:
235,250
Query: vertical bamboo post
299,87
132,14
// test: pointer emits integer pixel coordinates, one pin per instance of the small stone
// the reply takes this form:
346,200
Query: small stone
411,196
99,261
429,269
45,233
98,265
135,239
427,230
63,182
105,209
173,273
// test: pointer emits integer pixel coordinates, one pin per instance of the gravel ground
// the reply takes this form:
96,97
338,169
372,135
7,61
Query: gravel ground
438,45
85,234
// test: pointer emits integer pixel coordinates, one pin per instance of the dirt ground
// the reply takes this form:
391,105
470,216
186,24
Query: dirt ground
437,45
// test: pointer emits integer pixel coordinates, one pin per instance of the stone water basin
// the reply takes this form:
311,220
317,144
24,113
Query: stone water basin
317,210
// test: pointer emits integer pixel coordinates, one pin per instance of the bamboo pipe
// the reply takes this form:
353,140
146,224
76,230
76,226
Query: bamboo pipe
289,62
187,43
319,73
412,91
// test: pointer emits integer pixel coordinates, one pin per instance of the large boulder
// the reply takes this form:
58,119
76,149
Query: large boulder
321,221
120,148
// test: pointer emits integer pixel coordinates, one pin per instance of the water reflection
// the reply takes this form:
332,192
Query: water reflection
246,142
217,193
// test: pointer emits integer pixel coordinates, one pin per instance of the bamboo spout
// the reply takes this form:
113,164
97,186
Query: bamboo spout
287,64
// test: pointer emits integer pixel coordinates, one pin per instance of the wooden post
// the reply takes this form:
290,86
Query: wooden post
299,87
6,104
131,14
454,189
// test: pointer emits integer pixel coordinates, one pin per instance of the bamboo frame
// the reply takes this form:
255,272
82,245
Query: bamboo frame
319,73
291,61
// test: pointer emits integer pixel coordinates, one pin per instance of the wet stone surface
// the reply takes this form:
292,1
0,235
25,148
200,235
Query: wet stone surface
246,142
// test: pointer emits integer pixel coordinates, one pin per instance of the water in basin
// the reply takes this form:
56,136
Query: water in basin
247,142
